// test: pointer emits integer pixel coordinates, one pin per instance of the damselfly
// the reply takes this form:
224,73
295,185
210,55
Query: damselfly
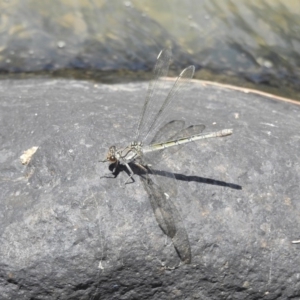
148,148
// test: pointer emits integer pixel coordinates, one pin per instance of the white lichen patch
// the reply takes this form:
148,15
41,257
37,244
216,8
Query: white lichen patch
27,155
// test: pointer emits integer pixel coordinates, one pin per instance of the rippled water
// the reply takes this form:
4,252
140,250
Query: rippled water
241,42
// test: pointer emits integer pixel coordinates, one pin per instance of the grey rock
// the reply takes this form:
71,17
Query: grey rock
67,233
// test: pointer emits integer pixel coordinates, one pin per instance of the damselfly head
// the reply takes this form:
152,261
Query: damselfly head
111,154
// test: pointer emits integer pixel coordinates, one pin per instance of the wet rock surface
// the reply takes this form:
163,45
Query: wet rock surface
67,233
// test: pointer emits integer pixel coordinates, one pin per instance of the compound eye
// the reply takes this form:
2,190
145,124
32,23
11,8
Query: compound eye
112,158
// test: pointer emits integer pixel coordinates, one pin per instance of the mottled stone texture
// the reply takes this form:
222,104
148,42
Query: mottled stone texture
66,233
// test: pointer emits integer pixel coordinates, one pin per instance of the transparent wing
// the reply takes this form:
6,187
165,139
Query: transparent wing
154,96
168,131
155,109
167,216
161,185
164,111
